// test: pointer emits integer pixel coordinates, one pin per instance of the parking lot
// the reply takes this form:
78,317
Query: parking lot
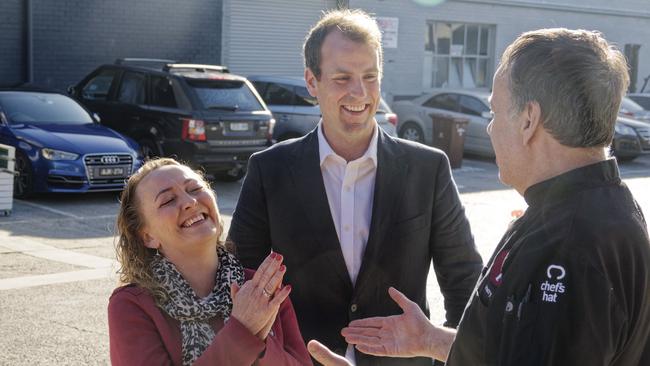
57,265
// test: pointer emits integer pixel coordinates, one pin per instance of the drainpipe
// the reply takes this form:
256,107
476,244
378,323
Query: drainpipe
29,46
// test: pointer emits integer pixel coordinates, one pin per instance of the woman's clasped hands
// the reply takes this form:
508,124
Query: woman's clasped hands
257,301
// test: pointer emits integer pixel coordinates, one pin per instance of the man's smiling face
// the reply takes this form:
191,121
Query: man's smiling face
348,87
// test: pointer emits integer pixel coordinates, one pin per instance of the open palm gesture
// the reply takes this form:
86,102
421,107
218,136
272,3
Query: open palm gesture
409,334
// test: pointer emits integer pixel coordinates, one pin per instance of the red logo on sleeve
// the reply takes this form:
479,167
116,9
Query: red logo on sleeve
496,272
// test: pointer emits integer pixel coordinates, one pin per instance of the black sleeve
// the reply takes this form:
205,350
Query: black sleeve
249,228
456,261
575,320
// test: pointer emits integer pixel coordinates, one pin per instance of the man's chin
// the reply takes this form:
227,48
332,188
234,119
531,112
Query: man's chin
359,127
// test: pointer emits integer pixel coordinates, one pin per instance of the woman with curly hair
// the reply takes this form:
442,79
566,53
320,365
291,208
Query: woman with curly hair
187,299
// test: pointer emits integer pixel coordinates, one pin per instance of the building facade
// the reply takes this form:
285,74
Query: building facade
430,44
56,43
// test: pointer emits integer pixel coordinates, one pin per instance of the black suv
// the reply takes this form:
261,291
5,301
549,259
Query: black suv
200,114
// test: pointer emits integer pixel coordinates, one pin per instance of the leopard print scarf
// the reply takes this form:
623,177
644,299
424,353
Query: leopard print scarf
191,311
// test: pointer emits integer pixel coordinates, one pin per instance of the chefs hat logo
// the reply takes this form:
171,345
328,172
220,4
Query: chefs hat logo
550,291
555,269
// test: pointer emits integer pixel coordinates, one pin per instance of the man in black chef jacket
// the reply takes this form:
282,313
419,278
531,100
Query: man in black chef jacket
569,283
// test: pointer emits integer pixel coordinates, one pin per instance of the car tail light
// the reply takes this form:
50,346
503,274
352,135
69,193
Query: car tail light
193,130
392,118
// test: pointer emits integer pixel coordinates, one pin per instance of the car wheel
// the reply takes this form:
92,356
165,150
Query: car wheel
149,149
624,158
232,175
411,131
24,180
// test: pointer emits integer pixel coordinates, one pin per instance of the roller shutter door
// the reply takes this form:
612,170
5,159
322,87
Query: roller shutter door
264,37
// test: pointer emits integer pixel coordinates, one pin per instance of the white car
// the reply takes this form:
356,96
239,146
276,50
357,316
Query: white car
416,121
296,112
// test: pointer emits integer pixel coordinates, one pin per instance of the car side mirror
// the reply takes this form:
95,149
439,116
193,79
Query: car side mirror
486,114
96,118
71,90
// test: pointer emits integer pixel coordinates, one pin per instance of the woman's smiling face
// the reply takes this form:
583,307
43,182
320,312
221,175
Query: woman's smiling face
179,211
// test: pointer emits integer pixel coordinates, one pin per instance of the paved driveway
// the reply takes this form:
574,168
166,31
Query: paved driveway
57,263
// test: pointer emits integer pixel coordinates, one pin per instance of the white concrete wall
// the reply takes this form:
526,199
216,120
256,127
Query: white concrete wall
623,21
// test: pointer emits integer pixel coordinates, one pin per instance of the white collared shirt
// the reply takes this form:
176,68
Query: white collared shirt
350,188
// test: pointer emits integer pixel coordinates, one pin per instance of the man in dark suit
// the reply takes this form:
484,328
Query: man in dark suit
352,209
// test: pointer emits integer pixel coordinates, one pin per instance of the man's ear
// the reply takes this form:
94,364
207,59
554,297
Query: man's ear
532,122
149,241
310,79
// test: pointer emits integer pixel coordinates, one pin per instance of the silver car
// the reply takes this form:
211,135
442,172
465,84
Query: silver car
416,123
631,139
296,112
632,109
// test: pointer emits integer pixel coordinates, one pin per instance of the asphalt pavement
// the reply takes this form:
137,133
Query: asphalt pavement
57,266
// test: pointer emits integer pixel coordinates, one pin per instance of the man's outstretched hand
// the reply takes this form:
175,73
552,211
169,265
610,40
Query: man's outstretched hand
409,334
323,355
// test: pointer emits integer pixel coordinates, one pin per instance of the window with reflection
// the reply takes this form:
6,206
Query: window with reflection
458,55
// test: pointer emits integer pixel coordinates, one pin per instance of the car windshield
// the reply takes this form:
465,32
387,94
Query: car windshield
42,108
643,101
232,95
630,105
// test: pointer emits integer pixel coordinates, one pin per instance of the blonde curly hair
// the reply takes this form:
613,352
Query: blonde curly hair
134,257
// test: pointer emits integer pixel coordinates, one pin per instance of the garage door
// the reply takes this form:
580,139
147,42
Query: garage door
264,37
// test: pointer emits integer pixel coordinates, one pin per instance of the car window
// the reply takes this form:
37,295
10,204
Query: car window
303,98
260,86
99,86
132,88
630,105
642,101
225,94
471,105
443,101
278,94
42,108
162,92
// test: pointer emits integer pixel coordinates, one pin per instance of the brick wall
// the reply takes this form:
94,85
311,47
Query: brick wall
72,37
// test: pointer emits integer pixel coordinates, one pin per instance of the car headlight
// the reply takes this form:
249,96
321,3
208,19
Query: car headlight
624,130
51,154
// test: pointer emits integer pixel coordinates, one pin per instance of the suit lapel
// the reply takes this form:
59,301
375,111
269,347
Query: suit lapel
308,182
391,172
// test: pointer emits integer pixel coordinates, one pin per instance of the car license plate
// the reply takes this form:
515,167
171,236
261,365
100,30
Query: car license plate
239,126
109,172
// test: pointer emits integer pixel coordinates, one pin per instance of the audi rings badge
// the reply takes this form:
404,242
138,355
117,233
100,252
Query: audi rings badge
110,159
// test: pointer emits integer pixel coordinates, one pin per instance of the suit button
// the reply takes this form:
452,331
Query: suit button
353,308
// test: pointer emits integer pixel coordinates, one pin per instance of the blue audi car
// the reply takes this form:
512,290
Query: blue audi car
60,147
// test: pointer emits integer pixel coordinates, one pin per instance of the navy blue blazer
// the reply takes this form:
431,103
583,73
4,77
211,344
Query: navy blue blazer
417,218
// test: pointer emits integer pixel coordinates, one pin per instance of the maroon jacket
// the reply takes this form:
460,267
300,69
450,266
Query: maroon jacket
142,334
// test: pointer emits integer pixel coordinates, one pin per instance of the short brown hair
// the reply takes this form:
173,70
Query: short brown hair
134,257
355,25
577,78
